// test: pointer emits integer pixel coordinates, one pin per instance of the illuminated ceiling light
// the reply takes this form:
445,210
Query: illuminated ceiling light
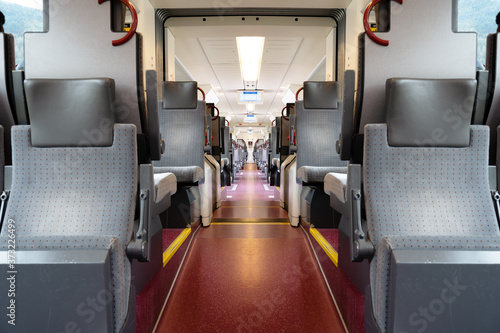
250,107
250,51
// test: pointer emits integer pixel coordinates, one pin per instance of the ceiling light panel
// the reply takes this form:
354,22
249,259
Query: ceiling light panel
250,51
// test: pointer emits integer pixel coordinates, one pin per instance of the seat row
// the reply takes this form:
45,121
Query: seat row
102,161
399,164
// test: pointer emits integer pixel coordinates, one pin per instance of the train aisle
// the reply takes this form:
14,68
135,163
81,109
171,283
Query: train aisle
250,273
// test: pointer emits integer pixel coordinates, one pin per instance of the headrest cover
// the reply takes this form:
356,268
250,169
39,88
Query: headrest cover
71,112
180,95
429,112
321,95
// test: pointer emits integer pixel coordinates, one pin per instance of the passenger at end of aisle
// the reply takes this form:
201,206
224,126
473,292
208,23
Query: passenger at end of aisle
498,22
2,21
20,66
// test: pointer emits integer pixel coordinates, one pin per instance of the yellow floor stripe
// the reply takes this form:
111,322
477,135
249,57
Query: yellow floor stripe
329,250
250,223
170,251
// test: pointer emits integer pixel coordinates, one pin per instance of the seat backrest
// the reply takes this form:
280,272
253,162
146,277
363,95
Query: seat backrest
71,191
7,101
319,121
88,184
182,124
438,52
273,145
425,170
492,108
225,139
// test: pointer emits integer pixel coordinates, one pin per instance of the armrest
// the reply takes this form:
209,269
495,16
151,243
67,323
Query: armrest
361,246
335,185
140,246
492,176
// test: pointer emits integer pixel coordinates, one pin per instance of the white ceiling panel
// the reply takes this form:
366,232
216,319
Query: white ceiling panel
292,51
250,4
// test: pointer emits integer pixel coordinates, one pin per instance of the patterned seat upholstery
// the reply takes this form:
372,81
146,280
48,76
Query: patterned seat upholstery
319,120
71,189
66,198
432,196
182,124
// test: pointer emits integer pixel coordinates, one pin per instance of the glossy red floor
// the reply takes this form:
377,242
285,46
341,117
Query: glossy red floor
250,277
250,197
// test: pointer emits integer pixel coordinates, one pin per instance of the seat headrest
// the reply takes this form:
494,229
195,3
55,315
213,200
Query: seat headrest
429,112
180,95
71,112
321,95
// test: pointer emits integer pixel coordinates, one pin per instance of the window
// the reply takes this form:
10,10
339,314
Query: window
21,16
478,16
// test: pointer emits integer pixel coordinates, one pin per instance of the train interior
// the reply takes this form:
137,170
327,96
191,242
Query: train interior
249,166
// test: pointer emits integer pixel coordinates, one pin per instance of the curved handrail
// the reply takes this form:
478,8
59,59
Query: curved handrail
297,93
218,112
366,23
202,92
284,117
133,27
274,121
228,123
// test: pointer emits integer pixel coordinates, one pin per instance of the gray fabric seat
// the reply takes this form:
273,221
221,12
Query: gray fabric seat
423,194
182,125
91,201
319,120
75,195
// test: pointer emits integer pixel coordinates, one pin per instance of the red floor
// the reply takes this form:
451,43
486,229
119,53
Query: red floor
250,277
250,197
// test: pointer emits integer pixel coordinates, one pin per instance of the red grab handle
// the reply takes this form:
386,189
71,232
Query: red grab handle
366,23
133,28
218,112
202,92
297,93
283,115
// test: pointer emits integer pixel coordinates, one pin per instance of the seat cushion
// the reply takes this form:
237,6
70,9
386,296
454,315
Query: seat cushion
165,185
380,267
336,184
312,174
120,265
189,174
